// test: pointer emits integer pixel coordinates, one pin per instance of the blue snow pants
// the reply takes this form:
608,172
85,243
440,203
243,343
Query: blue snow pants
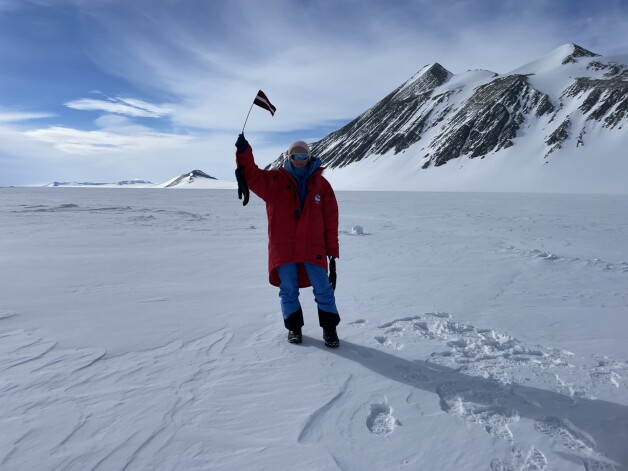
289,288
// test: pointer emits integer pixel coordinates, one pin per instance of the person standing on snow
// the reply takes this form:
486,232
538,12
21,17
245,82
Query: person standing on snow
302,233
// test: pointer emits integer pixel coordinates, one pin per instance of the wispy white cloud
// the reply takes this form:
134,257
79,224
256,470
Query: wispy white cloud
20,116
120,105
41,156
320,62
75,141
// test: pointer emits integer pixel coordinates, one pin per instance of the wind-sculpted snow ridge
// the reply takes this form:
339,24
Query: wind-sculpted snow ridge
165,219
491,380
617,266
479,332
6,314
70,207
81,409
135,182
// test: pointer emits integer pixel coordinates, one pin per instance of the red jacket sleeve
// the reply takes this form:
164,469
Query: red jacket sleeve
330,215
260,181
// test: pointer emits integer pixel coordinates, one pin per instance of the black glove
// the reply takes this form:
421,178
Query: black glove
241,144
332,272
243,186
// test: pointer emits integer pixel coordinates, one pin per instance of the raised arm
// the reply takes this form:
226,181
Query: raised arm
259,181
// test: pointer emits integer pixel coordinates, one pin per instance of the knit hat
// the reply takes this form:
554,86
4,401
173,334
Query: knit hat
300,144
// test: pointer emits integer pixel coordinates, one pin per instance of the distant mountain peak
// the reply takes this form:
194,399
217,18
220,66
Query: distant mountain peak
434,68
189,177
424,81
200,173
570,52
566,54
577,51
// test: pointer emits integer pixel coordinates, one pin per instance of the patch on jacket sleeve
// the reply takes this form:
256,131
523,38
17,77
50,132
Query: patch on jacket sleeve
317,199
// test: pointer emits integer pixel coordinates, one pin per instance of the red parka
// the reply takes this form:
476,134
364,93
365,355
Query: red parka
294,234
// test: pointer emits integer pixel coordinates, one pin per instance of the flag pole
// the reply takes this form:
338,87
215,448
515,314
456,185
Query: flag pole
247,116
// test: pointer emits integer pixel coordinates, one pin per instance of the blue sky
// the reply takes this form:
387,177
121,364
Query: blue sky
107,90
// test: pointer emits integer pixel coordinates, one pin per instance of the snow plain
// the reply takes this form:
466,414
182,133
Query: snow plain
481,331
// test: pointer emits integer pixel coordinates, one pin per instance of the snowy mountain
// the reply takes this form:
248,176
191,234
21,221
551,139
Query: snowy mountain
571,104
197,179
188,178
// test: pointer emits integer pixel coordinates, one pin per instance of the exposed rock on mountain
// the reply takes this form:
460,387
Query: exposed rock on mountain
578,51
436,117
489,120
397,114
189,178
606,99
559,135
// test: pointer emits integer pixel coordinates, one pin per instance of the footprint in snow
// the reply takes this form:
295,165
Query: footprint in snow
475,350
489,404
361,323
380,420
530,460
485,353
607,371
568,436
388,343
396,331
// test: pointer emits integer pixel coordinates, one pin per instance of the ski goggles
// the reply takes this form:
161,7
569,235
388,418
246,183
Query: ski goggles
304,156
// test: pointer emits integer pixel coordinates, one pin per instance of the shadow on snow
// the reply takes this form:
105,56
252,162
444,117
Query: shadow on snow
605,424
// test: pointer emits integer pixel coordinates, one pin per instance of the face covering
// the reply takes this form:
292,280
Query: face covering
300,172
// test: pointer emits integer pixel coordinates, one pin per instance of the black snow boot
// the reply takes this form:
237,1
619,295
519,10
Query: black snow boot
295,336
328,321
294,324
331,338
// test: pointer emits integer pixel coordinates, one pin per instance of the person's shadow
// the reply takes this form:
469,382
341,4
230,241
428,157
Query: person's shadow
581,425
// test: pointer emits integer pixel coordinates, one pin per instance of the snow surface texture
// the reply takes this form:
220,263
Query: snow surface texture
479,331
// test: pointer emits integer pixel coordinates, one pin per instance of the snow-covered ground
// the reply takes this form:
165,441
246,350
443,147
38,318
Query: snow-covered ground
479,332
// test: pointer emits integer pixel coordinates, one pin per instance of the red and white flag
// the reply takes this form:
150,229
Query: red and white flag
262,100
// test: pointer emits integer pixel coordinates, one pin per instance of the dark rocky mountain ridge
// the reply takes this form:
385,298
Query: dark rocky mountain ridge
440,116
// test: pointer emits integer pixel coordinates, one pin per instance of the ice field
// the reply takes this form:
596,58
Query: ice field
479,331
